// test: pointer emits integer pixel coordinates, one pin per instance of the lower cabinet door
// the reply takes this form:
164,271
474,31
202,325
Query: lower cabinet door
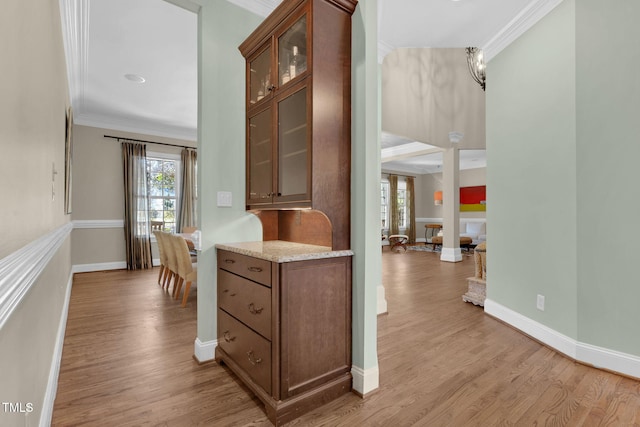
247,348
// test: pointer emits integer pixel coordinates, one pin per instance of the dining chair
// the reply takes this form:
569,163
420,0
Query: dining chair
163,256
189,229
172,261
187,271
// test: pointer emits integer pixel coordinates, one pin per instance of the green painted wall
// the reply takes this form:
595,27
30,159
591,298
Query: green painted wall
562,126
221,145
608,112
531,173
365,184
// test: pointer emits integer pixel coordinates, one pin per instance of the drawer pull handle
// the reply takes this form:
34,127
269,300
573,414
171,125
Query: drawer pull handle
254,310
255,269
230,261
252,358
227,290
228,337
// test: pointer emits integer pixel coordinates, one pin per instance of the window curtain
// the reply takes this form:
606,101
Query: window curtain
393,205
410,201
187,212
137,229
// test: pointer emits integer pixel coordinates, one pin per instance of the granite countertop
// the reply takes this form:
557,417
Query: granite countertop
282,251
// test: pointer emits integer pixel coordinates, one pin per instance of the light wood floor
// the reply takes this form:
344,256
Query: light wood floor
127,361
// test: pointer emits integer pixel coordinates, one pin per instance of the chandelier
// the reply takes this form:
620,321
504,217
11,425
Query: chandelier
475,60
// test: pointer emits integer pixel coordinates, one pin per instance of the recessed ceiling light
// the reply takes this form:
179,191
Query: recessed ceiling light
135,78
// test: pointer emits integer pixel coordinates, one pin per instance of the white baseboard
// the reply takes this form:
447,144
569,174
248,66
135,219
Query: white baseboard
365,381
382,301
611,360
102,266
542,333
451,254
52,384
204,351
599,357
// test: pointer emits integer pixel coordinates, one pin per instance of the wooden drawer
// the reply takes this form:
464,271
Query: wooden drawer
256,269
248,349
245,300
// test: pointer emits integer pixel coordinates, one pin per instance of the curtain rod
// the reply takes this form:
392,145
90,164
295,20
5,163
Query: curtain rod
150,142
405,176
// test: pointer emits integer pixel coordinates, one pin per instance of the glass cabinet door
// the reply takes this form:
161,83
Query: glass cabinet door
260,179
293,144
260,84
292,52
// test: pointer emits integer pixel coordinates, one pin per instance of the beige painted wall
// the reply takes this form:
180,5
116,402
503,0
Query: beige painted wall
33,102
433,182
98,193
32,122
427,93
426,184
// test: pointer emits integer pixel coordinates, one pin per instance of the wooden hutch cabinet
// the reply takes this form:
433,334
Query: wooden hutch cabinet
298,103
284,303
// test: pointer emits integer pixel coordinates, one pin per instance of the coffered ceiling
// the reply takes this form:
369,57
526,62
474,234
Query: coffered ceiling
113,45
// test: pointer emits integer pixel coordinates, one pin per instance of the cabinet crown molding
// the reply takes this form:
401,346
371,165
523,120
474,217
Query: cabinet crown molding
279,14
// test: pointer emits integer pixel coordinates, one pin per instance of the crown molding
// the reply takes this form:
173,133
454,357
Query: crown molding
526,19
75,31
136,126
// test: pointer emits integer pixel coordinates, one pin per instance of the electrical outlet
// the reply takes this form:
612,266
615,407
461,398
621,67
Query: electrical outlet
540,302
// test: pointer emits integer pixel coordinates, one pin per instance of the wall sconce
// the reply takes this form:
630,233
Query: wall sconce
475,61
437,198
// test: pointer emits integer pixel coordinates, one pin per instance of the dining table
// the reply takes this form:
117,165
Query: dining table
192,241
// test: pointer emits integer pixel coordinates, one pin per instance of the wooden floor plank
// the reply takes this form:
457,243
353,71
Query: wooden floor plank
127,361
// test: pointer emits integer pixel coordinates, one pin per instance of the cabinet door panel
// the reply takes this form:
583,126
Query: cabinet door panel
260,84
315,323
260,158
293,145
292,52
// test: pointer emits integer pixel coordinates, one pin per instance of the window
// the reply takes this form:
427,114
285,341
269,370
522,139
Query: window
402,205
163,180
384,199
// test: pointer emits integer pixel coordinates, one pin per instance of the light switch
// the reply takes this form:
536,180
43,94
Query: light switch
225,199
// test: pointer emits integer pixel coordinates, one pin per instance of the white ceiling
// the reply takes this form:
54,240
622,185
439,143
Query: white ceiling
157,40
